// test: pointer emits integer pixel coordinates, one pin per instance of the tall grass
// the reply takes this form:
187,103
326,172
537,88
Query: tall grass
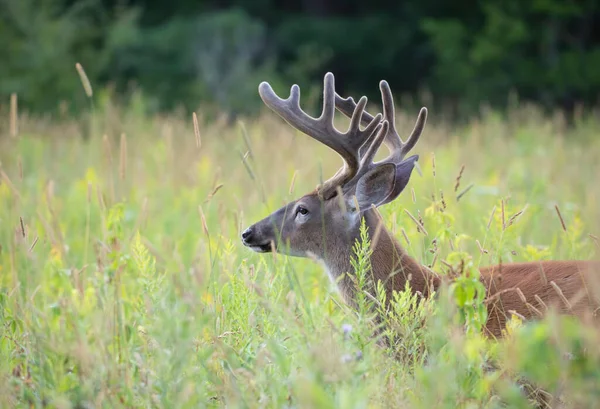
123,282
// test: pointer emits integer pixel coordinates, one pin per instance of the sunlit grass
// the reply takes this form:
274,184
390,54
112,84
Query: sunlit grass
126,285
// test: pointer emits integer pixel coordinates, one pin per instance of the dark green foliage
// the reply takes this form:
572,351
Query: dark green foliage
191,53
40,42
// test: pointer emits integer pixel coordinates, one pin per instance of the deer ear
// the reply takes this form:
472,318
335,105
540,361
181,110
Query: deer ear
375,186
403,171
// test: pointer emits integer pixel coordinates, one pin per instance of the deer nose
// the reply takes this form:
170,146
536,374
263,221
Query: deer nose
247,234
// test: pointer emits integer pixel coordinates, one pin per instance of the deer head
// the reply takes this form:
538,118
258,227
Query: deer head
328,218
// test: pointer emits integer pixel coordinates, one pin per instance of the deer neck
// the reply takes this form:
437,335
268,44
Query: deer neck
390,263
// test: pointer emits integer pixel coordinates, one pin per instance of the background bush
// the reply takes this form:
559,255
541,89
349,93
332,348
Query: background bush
188,53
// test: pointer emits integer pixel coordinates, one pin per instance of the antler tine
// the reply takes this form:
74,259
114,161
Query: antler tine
328,101
347,106
393,140
372,148
347,144
417,131
289,109
398,148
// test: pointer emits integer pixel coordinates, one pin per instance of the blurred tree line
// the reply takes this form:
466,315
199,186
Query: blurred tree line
191,52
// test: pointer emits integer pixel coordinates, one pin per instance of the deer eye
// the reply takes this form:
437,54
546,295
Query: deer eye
301,210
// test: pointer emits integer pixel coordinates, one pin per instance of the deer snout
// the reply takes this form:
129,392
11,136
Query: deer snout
253,237
247,234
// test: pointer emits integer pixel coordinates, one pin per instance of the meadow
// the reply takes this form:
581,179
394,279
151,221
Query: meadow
123,281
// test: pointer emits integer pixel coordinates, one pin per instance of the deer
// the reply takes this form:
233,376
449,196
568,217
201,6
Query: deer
324,224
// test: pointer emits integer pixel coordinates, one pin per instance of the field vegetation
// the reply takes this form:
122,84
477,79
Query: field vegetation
123,281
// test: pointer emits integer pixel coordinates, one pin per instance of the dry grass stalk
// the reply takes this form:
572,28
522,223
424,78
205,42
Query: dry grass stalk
405,237
22,227
562,221
247,165
196,130
87,86
341,201
418,169
464,192
291,190
435,257
595,240
513,312
503,217
9,183
107,149
444,262
214,192
491,218
246,139
535,310
123,157
543,275
514,217
50,190
356,205
372,298
434,248
414,197
433,163
499,294
203,218
100,199
444,206
521,295
459,177
419,225
378,230
580,295
273,251
481,249
393,223
540,301
33,244
560,294
14,116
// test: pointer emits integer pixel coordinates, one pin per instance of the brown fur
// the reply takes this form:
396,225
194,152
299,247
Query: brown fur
510,287
527,289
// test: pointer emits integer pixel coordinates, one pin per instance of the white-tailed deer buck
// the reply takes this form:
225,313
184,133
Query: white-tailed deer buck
326,222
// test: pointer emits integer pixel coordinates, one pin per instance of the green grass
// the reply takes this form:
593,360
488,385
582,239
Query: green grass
127,284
